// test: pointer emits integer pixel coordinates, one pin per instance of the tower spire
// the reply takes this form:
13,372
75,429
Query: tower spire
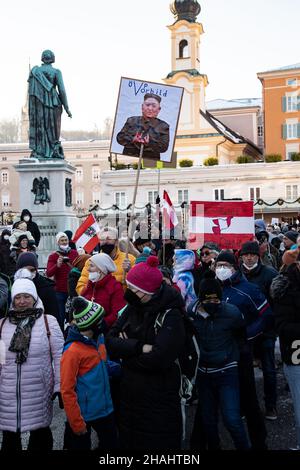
185,10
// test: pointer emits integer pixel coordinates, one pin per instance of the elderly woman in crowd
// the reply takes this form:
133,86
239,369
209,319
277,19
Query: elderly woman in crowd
31,345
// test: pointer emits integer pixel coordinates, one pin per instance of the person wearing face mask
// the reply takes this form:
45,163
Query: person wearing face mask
58,267
103,288
85,385
27,268
7,264
150,411
220,328
31,226
259,318
263,345
109,245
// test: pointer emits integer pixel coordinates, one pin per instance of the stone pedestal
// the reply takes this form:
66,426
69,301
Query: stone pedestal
53,216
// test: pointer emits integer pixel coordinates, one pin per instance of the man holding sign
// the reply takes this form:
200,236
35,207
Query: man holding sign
146,129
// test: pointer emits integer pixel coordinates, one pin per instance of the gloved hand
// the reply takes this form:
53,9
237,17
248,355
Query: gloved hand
60,401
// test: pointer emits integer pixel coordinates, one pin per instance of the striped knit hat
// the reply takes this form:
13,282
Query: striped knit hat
87,313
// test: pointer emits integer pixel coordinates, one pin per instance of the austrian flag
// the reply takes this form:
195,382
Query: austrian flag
228,224
169,215
86,235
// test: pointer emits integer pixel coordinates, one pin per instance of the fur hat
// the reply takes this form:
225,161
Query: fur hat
290,257
86,313
250,248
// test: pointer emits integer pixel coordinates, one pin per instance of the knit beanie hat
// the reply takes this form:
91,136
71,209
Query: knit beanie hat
290,257
228,257
104,263
292,235
251,248
86,313
59,235
210,288
27,259
142,258
145,276
23,286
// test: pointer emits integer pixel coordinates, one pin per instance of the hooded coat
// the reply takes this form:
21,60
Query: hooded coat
32,227
7,264
150,412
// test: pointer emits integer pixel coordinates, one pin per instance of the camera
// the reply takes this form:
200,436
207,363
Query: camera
66,259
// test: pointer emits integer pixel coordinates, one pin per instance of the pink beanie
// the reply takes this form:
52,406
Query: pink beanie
145,277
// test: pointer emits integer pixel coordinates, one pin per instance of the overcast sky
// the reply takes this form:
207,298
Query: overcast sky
98,41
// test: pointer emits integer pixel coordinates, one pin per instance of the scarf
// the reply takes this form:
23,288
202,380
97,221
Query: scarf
20,341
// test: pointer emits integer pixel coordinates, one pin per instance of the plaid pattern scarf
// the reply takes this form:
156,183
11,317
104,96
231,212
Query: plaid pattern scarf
20,341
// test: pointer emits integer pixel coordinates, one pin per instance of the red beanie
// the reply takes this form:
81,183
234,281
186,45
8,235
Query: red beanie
145,277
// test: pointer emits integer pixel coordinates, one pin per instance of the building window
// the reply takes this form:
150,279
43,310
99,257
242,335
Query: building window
95,156
5,200
292,103
183,49
79,198
96,197
260,131
292,131
79,174
183,196
254,194
4,177
4,159
219,194
291,82
152,195
120,199
96,174
291,192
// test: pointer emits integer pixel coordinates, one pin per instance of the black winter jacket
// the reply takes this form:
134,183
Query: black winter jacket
150,414
7,264
262,276
286,299
220,335
46,292
32,227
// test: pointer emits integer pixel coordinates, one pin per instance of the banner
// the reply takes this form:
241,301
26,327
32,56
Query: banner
147,113
86,235
228,224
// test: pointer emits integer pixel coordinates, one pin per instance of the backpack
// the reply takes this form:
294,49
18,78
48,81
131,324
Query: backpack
188,360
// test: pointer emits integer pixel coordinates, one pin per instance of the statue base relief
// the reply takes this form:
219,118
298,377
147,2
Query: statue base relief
46,193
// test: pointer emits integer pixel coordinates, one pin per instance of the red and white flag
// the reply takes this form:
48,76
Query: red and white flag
86,235
228,224
169,215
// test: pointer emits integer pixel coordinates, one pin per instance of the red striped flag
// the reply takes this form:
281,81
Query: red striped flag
86,235
169,215
228,224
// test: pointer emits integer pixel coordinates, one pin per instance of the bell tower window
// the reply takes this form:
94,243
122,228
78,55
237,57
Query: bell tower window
183,49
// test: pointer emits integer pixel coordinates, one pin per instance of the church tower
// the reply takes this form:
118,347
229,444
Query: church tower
185,37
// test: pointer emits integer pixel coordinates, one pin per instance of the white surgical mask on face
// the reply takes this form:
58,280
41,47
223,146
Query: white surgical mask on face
6,237
64,247
24,273
250,268
26,218
223,273
94,277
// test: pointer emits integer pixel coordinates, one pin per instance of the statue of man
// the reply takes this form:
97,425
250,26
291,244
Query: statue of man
47,97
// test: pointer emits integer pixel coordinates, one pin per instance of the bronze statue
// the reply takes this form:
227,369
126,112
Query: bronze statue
47,97
41,190
68,191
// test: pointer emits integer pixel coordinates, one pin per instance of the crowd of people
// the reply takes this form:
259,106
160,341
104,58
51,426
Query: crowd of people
103,334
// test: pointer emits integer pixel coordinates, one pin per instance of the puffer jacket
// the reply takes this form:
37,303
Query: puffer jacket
26,389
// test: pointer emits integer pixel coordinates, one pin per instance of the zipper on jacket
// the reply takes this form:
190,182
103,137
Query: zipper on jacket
18,397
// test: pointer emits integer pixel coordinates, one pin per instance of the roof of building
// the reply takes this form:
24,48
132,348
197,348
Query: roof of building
235,103
227,132
185,10
192,72
282,69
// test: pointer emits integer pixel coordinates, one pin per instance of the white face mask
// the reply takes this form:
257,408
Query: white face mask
94,277
24,273
223,273
250,267
6,237
64,247
26,218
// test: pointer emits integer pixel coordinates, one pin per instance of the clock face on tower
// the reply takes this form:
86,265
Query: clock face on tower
185,10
